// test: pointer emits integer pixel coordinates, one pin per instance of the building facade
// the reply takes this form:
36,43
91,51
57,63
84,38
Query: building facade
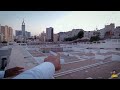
1,35
18,33
22,35
28,34
63,35
116,33
43,37
49,34
10,34
23,29
7,33
56,38
109,31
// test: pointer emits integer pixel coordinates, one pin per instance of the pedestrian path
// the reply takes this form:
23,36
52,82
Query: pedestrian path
18,58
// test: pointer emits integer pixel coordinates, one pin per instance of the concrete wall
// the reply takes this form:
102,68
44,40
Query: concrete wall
115,57
101,57
102,45
40,59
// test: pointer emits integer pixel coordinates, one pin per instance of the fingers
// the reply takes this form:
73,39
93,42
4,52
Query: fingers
51,58
13,71
18,68
17,73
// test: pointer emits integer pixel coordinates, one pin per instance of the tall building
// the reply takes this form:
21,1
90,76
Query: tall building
7,33
22,35
23,29
49,34
10,34
1,35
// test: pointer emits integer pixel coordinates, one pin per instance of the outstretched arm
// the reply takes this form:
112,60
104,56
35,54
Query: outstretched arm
45,70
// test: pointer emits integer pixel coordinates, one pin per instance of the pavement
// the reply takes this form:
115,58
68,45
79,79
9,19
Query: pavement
99,72
21,58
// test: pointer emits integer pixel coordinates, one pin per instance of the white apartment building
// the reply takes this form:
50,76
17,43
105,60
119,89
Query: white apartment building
88,34
102,33
109,31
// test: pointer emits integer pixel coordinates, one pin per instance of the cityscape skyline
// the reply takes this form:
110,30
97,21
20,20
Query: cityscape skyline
61,21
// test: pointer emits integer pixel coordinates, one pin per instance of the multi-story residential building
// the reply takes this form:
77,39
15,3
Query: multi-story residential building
1,35
89,34
107,31
10,34
7,33
56,38
116,32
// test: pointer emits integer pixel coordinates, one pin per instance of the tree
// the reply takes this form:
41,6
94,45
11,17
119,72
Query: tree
94,38
80,34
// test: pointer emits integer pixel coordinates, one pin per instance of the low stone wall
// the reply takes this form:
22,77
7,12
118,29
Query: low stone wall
101,57
115,57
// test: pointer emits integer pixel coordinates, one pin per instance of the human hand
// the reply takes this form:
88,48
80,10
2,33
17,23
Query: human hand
13,71
55,60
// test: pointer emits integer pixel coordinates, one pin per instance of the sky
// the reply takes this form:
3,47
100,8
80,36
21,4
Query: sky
62,21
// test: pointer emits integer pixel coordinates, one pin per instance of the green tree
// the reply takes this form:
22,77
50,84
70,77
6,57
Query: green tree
94,38
80,34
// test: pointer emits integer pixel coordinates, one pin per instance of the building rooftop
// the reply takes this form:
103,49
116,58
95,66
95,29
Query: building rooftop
77,64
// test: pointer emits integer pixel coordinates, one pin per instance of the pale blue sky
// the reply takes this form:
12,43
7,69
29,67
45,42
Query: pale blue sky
38,21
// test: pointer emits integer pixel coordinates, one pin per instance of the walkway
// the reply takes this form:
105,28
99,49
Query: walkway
20,57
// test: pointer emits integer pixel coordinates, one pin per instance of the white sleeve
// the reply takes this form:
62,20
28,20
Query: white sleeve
45,70
2,74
